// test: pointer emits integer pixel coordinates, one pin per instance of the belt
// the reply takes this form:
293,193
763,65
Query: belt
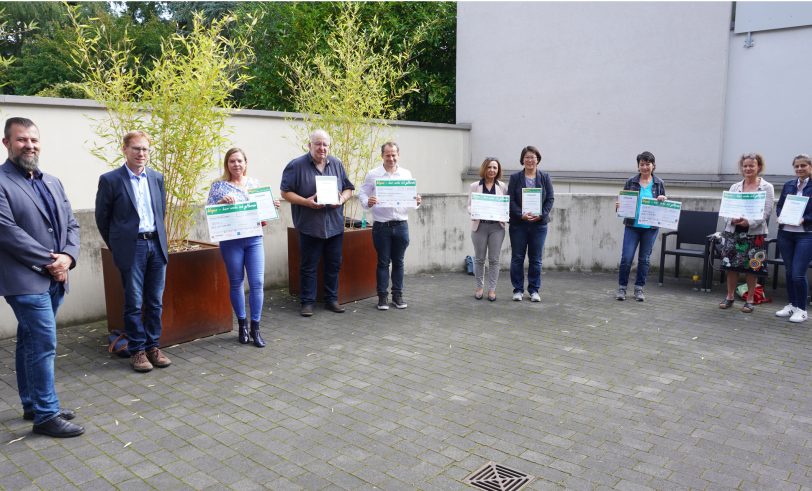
390,223
488,221
147,235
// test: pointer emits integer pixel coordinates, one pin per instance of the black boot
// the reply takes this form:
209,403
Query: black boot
256,336
243,334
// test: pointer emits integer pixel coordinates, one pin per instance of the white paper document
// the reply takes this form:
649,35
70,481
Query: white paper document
233,221
490,207
263,197
327,190
627,204
659,213
396,193
531,201
793,210
743,205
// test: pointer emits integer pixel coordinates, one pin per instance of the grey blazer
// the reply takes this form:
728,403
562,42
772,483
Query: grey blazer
117,216
26,237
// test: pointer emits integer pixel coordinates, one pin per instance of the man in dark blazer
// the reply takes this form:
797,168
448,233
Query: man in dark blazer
130,210
39,243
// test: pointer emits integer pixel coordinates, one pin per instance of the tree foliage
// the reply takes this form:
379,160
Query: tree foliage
180,98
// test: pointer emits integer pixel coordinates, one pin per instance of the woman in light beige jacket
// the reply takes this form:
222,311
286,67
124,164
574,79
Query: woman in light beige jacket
487,235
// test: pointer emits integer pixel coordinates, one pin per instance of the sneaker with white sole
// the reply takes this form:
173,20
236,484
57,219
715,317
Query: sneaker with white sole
798,316
535,297
383,301
786,311
621,294
517,297
638,294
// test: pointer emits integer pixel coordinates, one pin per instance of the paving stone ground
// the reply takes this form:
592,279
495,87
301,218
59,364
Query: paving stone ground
581,391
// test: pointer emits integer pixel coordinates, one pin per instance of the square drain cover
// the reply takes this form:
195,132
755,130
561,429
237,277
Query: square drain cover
495,477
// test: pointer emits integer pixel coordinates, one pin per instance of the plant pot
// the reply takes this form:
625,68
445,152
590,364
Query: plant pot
196,296
356,279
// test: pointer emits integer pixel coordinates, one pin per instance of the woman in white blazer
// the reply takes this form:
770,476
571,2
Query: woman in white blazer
487,235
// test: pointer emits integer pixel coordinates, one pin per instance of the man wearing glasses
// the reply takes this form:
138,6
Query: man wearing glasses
130,209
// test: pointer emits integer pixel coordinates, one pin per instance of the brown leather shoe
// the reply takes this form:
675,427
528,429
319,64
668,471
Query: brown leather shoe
140,363
335,307
157,358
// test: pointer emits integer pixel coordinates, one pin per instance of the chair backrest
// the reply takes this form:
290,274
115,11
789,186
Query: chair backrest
695,226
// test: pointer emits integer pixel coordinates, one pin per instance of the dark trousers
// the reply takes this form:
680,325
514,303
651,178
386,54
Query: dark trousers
143,292
312,250
796,251
390,240
526,240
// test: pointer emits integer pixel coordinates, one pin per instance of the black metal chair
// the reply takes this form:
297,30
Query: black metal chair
694,228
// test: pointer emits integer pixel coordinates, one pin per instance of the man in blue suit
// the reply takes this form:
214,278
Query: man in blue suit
39,244
130,209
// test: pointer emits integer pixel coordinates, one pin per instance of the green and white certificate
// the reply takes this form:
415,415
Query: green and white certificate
263,197
627,204
396,193
659,213
793,210
490,207
233,221
743,205
531,201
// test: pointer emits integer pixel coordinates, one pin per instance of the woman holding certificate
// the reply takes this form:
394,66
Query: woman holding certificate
646,185
744,248
487,235
245,254
531,199
795,237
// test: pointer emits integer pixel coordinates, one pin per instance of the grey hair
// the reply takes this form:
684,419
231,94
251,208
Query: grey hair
318,133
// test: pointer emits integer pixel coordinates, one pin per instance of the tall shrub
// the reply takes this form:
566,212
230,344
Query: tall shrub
181,99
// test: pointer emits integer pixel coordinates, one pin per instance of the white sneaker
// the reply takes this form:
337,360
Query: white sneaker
798,316
517,297
786,311
535,297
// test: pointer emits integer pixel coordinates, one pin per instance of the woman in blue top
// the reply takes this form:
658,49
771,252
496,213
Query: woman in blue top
241,255
648,186
795,241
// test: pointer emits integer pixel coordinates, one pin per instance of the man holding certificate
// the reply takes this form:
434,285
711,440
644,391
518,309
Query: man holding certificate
389,191
747,206
644,185
795,237
318,215
531,200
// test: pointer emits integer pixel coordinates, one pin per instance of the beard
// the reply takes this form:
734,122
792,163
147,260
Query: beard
28,164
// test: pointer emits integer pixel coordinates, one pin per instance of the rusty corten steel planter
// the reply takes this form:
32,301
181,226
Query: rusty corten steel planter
195,303
356,280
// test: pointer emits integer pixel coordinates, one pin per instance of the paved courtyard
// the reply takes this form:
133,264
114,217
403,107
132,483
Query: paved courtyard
580,391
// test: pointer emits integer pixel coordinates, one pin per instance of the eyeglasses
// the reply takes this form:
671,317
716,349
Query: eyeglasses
140,149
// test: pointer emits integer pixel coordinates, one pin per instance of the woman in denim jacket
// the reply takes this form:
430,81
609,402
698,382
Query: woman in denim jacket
795,241
648,186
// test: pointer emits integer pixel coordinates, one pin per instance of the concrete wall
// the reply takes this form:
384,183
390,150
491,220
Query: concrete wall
585,235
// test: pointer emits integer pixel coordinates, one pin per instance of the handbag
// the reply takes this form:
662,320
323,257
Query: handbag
117,343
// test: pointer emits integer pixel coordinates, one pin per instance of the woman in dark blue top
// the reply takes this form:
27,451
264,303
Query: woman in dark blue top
528,230
795,241
648,186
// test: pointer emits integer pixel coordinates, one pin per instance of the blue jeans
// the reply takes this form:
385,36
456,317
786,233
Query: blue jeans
796,250
241,255
314,249
144,287
526,239
36,350
390,243
632,237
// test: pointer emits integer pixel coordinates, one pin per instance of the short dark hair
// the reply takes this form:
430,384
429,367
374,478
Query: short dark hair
647,156
529,148
390,144
484,166
24,122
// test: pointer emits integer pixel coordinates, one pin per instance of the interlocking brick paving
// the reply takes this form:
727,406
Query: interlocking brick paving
581,391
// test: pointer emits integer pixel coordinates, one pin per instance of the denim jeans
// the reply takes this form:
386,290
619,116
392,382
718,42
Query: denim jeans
632,237
526,239
796,250
312,250
144,287
241,256
390,243
36,350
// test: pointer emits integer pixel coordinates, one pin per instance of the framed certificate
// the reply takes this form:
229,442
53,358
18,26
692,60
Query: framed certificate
627,204
263,197
793,210
327,190
531,201
233,221
396,193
